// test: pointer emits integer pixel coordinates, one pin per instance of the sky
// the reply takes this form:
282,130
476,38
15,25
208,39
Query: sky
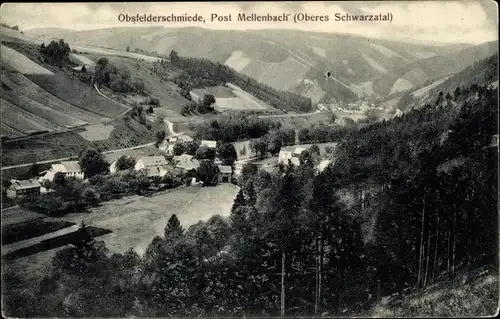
464,21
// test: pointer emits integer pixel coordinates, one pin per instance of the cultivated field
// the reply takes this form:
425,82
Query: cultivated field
14,117
53,116
21,85
250,100
20,62
78,94
10,132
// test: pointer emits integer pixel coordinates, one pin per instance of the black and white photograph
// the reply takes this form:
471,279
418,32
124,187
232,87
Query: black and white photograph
294,159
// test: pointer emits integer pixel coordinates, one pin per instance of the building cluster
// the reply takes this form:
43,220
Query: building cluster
154,165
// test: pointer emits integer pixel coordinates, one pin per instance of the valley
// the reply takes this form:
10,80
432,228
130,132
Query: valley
197,172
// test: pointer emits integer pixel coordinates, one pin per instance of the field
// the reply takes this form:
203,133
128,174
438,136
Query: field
21,85
12,116
243,150
80,59
136,223
8,131
250,100
97,132
78,94
66,144
53,116
21,63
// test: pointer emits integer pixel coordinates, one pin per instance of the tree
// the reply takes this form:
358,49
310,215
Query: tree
92,162
160,137
333,118
208,100
275,142
207,172
59,180
304,135
227,152
179,148
125,162
56,52
259,146
239,201
174,57
173,228
203,153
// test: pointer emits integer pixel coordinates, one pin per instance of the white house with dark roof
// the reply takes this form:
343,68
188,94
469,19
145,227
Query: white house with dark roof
291,153
152,165
68,168
24,188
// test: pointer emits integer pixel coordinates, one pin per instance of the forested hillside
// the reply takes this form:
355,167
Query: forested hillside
199,73
294,246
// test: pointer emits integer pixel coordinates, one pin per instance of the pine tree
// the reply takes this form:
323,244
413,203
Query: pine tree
238,201
173,228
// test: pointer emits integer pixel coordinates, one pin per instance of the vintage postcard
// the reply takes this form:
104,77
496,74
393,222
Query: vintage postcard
249,159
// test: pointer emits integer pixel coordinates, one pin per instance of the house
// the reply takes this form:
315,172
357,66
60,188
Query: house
323,165
152,166
291,153
167,145
24,188
225,173
186,162
150,161
208,144
179,138
68,168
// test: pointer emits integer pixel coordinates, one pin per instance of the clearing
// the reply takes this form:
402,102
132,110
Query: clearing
136,223
97,132
238,61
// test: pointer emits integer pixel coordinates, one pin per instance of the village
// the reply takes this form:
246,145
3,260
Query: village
157,162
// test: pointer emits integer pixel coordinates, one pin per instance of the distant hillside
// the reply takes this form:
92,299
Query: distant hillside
417,73
483,72
283,59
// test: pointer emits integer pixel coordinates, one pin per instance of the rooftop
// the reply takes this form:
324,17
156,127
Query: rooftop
135,153
225,169
153,160
25,184
67,167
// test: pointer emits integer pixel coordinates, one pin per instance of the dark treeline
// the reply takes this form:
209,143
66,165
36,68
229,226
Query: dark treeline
199,73
293,245
234,128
